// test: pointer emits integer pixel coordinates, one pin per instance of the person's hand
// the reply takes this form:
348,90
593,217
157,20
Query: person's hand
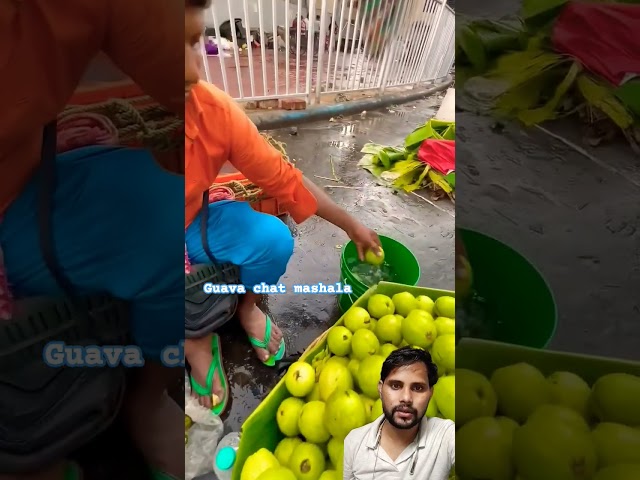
364,239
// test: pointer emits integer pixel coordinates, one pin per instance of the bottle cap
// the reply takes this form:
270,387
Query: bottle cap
226,458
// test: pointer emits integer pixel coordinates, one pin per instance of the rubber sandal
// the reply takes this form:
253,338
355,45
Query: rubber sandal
216,366
264,344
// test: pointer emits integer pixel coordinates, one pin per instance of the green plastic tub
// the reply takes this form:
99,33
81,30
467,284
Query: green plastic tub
403,261
519,305
260,430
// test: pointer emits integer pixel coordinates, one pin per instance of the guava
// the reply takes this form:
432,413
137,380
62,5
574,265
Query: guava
374,325
443,351
483,450
553,451
288,415
300,378
330,475
311,422
418,328
615,398
507,423
344,412
374,258
368,404
307,461
386,349
475,396
520,389
357,318
369,375
339,341
314,395
278,473
444,394
569,390
445,306
363,344
558,413
404,302
380,305
425,303
616,444
353,366
344,361
258,463
432,409
335,449
389,330
376,411
445,326
334,376
619,472
285,448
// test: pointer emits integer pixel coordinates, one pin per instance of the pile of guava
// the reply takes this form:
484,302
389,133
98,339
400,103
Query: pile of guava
338,391
520,424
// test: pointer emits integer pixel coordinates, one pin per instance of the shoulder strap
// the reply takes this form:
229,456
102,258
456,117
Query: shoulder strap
46,205
204,225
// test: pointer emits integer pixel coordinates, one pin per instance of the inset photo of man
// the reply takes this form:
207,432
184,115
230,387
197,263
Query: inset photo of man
403,443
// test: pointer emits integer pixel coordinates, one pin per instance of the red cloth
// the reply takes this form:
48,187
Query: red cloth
439,154
604,38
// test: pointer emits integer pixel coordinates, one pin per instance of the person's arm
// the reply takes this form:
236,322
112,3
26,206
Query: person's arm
144,38
263,165
363,237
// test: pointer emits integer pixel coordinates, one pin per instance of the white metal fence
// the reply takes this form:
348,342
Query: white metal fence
273,49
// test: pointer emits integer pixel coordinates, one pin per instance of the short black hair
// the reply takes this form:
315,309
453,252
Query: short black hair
198,3
408,356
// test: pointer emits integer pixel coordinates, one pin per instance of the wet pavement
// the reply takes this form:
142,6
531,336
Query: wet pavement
574,216
426,230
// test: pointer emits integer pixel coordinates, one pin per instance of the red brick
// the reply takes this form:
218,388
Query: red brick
293,104
267,104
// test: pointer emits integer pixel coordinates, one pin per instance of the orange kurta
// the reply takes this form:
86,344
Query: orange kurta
217,130
46,46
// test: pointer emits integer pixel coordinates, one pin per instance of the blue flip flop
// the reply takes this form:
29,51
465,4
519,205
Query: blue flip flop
271,361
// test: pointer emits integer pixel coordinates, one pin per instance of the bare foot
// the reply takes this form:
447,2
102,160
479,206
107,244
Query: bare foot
254,321
199,356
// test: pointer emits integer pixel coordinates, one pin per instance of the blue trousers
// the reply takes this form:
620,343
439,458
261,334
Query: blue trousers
118,226
260,244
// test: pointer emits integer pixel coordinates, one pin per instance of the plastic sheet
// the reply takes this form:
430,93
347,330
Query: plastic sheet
603,37
439,154
204,435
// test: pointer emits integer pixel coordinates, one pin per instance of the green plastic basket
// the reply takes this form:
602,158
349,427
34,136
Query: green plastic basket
520,308
396,254
260,430
485,356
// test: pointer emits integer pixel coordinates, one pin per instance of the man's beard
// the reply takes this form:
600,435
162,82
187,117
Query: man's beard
402,424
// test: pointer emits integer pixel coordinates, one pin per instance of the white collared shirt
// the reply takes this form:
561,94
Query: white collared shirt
435,447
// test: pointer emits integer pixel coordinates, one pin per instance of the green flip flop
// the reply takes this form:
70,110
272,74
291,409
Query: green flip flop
216,366
271,361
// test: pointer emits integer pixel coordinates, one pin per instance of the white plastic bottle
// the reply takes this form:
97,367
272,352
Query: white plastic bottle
225,457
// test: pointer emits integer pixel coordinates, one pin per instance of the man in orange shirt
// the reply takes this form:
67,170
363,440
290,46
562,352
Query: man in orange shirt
217,130
117,215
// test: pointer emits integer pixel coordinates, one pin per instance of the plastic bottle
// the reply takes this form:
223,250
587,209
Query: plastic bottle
225,456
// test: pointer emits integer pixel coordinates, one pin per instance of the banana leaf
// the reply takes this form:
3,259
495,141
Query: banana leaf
401,169
438,180
418,183
604,99
548,111
368,163
629,95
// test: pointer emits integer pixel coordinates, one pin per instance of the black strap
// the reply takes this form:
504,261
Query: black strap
46,206
204,225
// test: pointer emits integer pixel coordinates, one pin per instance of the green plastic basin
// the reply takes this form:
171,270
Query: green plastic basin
401,259
519,305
